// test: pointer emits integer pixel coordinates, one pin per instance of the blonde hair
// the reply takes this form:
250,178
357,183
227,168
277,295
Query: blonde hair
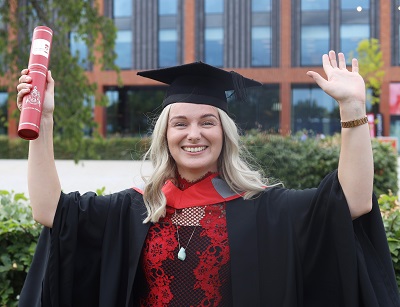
233,165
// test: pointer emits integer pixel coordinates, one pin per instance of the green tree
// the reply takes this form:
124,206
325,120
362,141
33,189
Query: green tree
75,93
371,68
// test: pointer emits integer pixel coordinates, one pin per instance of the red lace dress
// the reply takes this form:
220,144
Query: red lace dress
203,278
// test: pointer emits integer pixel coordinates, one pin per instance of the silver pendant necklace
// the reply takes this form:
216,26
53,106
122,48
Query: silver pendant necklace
182,250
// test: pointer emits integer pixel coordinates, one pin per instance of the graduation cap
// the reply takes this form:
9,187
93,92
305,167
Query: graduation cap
200,83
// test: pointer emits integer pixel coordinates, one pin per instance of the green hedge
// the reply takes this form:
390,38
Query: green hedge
18,236
90,149
390,210
296,163
303,164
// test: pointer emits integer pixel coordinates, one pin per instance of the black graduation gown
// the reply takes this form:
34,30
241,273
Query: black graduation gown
287,247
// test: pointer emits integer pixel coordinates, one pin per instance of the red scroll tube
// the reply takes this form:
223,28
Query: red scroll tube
31,112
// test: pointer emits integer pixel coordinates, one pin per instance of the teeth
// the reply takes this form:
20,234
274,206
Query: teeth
194,149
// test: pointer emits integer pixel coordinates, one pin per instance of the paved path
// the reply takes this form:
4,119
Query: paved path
84,176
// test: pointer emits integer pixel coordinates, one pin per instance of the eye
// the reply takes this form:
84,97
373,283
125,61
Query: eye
208,123
178,124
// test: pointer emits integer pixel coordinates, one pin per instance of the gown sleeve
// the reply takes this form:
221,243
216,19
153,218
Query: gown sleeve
341,255
81,254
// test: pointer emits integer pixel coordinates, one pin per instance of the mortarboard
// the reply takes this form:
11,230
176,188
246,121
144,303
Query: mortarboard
200,83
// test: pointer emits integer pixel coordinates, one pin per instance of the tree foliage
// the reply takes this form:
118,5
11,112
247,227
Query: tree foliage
371,66
75,93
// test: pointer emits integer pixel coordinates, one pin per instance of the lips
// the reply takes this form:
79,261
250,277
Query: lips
194,149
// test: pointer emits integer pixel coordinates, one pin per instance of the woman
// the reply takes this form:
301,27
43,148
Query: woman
206,231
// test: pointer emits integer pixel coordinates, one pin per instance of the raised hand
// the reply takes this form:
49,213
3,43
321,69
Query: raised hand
24,87
347,87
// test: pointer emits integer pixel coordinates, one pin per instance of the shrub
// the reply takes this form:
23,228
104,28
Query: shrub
18,236
390,210
302,164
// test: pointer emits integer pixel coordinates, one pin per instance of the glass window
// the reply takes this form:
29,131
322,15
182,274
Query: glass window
123,48
79,49
214,46
314,5
128,107
261,110
122,8
314,111
314,43
261,46
168,48
261,5
3,112
398,45
350,36
213,6
167,7
354,4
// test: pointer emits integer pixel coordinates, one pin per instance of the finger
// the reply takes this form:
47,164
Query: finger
23,86
24,71
332,59
25,79
317,78
342,60
326,63
21,93
354,65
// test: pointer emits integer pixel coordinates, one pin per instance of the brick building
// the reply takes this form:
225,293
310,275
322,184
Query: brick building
273,41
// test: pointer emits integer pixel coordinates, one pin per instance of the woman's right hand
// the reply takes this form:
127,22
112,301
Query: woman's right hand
24,88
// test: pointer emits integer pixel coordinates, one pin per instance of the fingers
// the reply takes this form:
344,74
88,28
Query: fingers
354,65
317,78
332,59
342,61
23,87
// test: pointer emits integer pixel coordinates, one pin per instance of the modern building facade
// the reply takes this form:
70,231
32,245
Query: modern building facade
273,41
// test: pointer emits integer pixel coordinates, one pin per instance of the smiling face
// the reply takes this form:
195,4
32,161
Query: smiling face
195,138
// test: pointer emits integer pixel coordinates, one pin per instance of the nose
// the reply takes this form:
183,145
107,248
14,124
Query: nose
194,133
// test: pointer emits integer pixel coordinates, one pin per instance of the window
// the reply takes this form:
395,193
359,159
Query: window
123,48
350,36
340,25
3,112
354,25
127,109
122,8
260,111
167,7
396,32
260,5
214,32
214,46
356,5
214,6
261,33
168,35
79,49
168,47
314,111
314,43
315,31
261,46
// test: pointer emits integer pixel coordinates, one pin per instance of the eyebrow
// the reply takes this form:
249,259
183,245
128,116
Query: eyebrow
203,116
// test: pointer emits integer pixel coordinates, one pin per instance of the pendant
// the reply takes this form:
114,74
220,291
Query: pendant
182,254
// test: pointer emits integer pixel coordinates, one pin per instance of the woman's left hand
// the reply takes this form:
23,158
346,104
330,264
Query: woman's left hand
347,87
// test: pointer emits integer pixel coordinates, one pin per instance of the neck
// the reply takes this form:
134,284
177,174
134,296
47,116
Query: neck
193,176
184,183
